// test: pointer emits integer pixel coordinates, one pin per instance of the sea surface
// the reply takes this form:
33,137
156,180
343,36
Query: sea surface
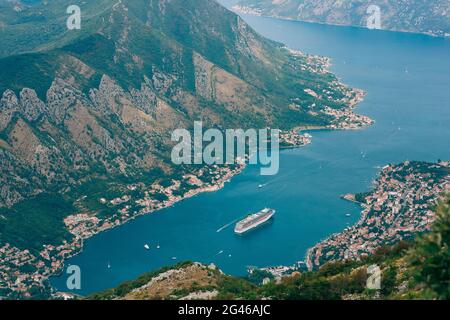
407,80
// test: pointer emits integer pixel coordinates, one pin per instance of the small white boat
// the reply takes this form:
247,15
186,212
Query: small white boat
174,258
147,247
348,215
158,247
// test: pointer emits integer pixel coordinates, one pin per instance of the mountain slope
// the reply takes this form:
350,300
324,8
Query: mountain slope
430,17
108,96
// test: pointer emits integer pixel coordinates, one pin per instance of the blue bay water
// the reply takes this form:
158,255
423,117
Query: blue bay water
407,80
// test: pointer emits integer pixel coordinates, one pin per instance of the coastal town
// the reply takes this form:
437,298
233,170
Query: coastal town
347,119
155,197
294,139
23,273
399,207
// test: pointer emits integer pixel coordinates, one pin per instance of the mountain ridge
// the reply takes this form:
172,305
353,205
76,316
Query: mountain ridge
427,17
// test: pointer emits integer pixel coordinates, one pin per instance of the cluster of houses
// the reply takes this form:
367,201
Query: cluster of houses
347,119
21,271
399,207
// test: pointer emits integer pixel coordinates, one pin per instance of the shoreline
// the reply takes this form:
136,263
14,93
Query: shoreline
351,198
242,10
59,255
190,194
383,204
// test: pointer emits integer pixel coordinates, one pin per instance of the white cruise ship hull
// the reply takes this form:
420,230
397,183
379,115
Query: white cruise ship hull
239,229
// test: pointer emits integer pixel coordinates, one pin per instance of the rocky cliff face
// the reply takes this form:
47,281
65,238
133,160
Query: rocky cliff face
62,140
419,16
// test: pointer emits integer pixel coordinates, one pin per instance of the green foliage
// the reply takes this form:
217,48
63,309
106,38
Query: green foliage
36,71
430,258
257,276
235,288
36,222
361,197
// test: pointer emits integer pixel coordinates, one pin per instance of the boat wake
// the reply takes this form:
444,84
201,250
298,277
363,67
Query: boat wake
227,225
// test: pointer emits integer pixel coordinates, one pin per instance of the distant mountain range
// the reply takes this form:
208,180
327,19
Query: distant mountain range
419,16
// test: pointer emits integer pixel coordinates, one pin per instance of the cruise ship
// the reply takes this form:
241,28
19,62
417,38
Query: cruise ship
254,220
